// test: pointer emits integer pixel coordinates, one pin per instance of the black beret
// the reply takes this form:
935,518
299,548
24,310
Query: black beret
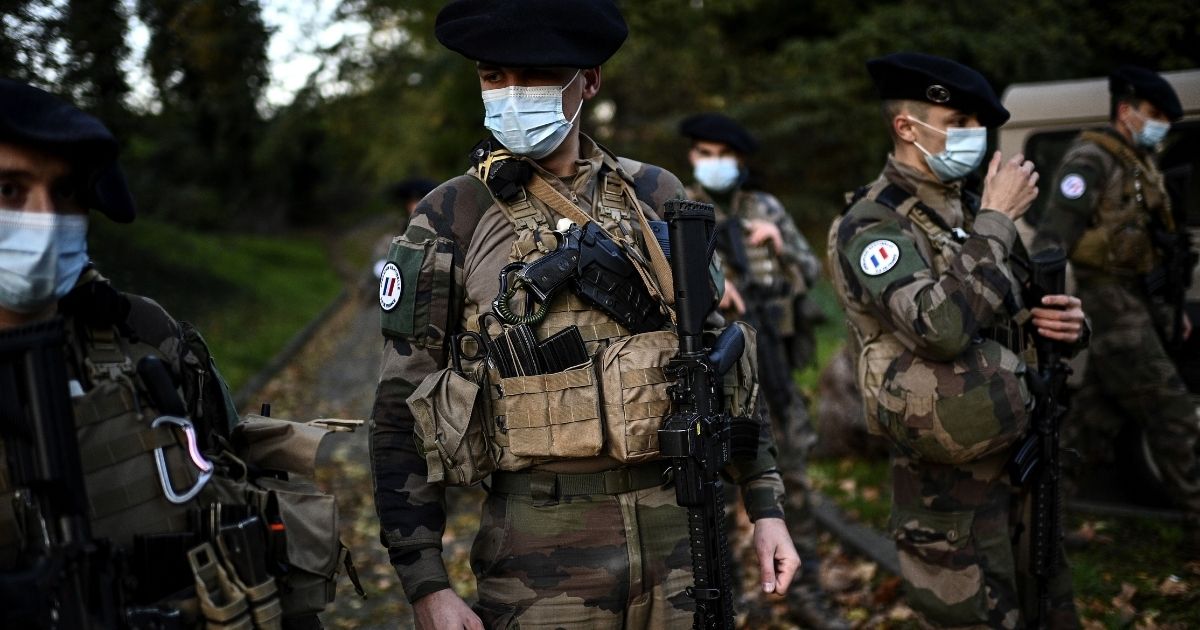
529,33
35,117
1146,85
937,80
715,127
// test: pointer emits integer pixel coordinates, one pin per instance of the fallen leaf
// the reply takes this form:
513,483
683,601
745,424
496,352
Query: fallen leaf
870,493
848,485
1172,585
1123,602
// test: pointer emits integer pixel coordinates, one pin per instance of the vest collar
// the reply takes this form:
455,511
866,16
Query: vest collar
943,198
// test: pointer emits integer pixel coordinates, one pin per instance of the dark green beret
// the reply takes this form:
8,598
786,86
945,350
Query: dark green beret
37,118
532,33
937,80
1146,85
715,127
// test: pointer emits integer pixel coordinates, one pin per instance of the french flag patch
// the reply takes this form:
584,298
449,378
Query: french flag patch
878,257
390,286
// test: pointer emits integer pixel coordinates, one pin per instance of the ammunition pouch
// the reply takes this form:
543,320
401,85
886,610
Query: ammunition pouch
951,412
612,406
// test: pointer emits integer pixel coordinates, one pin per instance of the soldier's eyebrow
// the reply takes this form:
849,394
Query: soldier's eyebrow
15,173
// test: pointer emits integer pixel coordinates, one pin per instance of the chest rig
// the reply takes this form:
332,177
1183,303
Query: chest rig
140,453
611,403
1118,241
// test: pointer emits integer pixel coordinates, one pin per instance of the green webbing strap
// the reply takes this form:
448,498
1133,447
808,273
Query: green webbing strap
541,484
117,450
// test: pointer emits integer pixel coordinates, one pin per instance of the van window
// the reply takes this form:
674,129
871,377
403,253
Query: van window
1180,163
1046,149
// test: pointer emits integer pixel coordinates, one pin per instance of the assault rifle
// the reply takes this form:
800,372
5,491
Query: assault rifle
63,578
699,435
1036,461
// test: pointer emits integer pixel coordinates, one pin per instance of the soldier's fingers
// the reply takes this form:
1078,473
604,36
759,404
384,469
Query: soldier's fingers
788,564
994,165
1016,160
766,567
1069,337
1061,300
1056,325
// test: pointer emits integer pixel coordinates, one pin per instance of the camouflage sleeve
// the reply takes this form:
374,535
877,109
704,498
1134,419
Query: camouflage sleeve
1075,193
412,514
935,314
796,250
760,480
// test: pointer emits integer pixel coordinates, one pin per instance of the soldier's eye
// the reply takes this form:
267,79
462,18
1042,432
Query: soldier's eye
9,191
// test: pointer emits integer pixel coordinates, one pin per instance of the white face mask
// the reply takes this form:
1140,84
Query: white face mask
964,151
717,174
528,120
41,257
1151,133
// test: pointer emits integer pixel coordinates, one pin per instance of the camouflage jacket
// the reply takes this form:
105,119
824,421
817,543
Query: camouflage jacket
902,289
796,263
1106,198
473,232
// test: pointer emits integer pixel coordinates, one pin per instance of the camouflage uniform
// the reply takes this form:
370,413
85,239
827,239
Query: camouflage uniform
1107,198
946,287
544,556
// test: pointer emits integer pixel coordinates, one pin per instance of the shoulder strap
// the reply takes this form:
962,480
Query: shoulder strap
903,203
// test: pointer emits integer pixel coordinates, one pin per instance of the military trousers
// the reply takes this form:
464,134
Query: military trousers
962,561
1130,377
587,561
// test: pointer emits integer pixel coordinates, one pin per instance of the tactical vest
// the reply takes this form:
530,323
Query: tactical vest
546,417
1118,239
878,348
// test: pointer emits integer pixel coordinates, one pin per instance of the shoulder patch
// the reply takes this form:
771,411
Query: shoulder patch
1072,186
391,286
878,257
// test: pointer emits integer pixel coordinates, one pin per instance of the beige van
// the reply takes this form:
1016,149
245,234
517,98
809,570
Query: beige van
1046,117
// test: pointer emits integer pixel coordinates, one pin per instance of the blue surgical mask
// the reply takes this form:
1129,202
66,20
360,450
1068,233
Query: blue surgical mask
965,147
528,120
41,257
717,174
1151,133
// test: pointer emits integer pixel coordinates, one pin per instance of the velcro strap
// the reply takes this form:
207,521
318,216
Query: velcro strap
125,447
617,481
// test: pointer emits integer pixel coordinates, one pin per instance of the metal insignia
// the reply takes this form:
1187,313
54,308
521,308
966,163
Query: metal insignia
937,94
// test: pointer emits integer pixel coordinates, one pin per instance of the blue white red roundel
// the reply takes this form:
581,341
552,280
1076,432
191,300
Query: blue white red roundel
1072,186
878,257
390,286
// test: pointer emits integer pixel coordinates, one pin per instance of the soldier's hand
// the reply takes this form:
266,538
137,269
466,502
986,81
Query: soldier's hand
1010,186
1187,327
731,301
777,557
763,231
445,610
1062,321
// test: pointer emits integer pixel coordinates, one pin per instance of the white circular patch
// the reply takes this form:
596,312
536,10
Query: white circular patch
1072,186
878,257
390,286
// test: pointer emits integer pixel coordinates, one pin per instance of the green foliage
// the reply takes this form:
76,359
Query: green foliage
247,294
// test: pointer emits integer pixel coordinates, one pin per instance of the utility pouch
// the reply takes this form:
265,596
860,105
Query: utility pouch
635,398
741,382
548,416
415,290
449,428
950,412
